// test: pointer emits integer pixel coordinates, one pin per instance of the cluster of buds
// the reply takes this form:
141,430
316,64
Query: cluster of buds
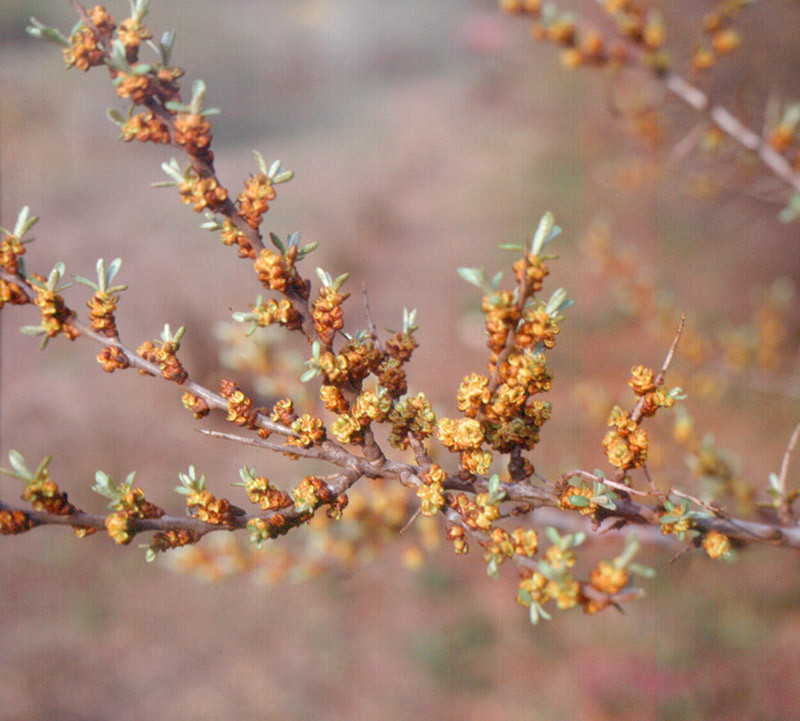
574,494
112,358
56,317
83,50
326,310
310,494
128,504
720,38
259,190
431,491
413,415
198,188
356,359
202,504
642,28
13,522
368,407
276,271
264,313
240,408
202,192
195,404
676,519
458,537
501,313
264,529
231,235
144,127
652,398
104,301
164,355
11,248
502,545
553,579
165,540
254,200
626,443
262,493
193,132
784,134
310,432
11,293
42,493
537,327
716,545
480,513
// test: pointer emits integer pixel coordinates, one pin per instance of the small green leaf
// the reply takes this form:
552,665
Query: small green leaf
542,234
475,276
18,464
552,535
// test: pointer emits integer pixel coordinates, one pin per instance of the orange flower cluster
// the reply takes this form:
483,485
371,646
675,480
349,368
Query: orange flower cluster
327,313
163,356
112,358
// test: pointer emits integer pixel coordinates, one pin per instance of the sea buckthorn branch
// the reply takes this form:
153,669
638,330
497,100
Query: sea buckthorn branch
501,414
123,357
96,40
639,40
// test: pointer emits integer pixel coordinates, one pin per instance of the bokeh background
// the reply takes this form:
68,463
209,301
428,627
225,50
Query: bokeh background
422,135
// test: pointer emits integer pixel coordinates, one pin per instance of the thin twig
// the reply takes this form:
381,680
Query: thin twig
785,509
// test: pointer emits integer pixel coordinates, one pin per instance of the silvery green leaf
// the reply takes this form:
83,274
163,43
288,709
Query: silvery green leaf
542,232
791,116
173,170
115,116
177,106
260,162
557,302
306,249
42,32
579,501
113,269
324,277
475,276
495,282
273,169
116,58
511,246
775,482
283,177
166,45
552,535
24,221
640,570
537,612
85,281
18,464
276,241
198,93
309,374
604,502
32,330
792,210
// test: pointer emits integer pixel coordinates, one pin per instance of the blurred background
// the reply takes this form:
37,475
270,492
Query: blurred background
422,135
